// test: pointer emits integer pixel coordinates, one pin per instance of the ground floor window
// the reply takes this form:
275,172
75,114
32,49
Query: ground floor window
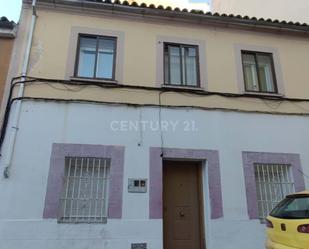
273,183
85,190
85,183
269,177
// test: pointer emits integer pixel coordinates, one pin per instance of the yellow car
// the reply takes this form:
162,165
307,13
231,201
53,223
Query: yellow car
288,223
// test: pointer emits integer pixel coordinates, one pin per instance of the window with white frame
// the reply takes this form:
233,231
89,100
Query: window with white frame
85,190
273,183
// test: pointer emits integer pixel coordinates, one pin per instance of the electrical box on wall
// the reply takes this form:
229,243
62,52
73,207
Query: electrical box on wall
139,246
137,185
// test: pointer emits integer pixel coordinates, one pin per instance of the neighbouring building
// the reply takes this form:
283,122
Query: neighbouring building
295,11
7,36
135,126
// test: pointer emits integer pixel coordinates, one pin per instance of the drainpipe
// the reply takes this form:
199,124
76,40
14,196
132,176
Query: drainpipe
15,122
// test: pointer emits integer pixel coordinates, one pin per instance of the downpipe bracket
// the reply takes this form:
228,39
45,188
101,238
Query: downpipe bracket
6,172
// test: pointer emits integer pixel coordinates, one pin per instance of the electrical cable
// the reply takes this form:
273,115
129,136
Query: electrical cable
188,92
8,108
303,173
165,89
160,125
140,143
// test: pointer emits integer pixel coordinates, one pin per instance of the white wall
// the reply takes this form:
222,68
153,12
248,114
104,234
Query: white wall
22,196
288,10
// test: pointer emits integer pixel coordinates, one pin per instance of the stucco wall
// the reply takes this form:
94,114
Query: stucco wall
42,124
296,11
23,195
49,57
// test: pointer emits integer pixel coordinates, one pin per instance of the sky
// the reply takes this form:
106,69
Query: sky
11,8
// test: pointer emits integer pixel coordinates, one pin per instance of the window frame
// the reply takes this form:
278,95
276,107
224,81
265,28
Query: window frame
180,45
65,185
284,204
77,61
255,54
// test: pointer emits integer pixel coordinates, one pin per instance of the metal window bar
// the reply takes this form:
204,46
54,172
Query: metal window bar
273,183
84,197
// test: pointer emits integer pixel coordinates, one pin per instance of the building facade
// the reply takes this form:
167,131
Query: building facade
7,36
140,127
295,11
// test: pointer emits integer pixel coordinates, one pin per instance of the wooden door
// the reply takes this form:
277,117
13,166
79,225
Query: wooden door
182,206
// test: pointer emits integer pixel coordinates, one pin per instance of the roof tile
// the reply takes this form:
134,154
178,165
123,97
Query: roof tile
224,17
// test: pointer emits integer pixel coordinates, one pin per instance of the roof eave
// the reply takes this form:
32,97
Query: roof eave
184,17
7,33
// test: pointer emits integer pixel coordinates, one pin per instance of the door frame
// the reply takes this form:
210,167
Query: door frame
206,202
203,195
213,208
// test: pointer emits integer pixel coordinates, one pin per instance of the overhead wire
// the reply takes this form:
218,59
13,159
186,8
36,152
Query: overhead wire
76,86
196,92
160,125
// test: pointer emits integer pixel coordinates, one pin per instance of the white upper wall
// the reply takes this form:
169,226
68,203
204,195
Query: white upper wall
296,10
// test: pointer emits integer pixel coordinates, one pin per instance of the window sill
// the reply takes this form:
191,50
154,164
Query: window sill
261,94
192,88
73,221
79,79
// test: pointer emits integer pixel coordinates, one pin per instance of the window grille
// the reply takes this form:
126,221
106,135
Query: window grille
273,183
85,191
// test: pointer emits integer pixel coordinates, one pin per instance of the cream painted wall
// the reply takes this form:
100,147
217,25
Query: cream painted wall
49,57
144,97
296,10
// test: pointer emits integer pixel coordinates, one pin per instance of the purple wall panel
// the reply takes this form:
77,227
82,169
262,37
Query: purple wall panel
156,178
250,158
56,174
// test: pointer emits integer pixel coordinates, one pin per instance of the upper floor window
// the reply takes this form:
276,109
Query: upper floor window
259,72
181,66
96,57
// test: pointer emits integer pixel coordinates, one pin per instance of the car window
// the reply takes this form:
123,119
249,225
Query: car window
292,208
